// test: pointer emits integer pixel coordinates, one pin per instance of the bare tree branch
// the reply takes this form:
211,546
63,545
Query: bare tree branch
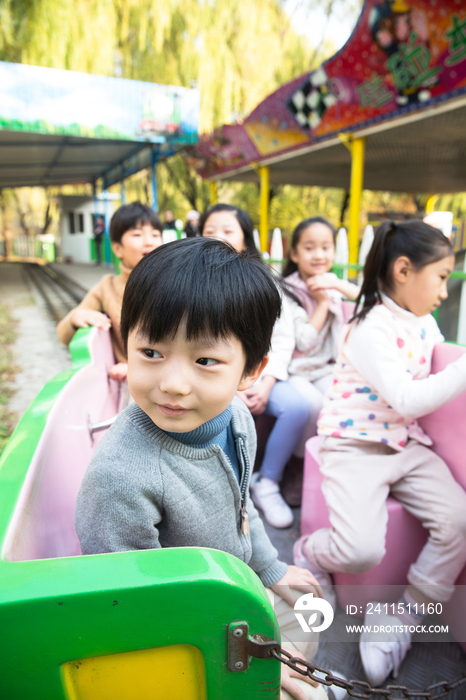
21,213
344,204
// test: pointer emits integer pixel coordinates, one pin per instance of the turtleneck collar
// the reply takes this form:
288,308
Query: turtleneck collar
396,309
205,433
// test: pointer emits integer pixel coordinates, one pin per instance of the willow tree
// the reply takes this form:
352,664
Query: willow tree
235,52
72,34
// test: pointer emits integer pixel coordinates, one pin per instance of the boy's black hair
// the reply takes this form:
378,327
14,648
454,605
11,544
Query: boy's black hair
421,243
205,283
244,221
131,215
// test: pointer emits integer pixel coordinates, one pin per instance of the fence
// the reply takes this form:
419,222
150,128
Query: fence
28,247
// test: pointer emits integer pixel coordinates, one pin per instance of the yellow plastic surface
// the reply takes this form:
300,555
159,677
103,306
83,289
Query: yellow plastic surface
166,673
431,202
213,192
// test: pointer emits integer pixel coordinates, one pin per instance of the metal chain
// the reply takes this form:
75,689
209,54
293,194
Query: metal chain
366,692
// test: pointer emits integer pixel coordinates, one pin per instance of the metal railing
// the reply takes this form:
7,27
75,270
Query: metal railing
455,275
26,247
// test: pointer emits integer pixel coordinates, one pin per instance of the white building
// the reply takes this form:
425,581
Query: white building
77,225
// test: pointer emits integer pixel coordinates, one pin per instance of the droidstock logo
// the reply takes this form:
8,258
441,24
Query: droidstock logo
313,606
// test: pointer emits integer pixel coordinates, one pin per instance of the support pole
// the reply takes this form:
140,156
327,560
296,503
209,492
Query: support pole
107,247
431,202
155,204
94,192
213,192
264,207
96,204
122,186
96,213
357,177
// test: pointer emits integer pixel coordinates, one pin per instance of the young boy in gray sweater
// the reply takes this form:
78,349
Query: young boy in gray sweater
174,469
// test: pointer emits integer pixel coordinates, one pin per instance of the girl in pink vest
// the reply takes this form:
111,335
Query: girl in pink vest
304,347
372,445
317,317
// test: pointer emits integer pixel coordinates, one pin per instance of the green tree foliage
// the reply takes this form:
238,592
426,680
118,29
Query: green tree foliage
235,52
72,34
453,202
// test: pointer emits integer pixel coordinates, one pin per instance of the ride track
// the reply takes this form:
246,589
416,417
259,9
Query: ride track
60,293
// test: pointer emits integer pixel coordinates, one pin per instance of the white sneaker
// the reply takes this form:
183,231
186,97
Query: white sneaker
323,577
266,495
382,655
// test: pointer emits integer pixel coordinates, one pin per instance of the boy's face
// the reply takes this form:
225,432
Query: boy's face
137,242
182,384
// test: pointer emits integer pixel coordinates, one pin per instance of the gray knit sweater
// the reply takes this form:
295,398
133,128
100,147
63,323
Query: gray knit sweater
145,490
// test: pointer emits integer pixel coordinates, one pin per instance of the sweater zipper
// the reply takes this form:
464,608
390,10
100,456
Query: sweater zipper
244,517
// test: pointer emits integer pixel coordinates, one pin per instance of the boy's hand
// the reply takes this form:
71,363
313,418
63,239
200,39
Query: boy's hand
257,397
296,579
118,371
287,682
82,318
254,400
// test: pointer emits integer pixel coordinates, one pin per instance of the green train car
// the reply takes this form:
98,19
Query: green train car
144,625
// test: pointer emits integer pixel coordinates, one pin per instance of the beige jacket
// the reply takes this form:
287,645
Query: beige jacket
106,297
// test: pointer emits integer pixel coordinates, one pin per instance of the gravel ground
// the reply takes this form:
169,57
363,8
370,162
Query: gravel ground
86,274
38,353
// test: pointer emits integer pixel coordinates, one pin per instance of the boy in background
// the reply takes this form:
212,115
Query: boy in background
174,468
135,230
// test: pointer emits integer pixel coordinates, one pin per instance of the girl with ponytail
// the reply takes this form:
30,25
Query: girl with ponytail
372,444
420,243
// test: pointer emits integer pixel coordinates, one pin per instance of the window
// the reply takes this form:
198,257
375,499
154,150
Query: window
71,221
81,223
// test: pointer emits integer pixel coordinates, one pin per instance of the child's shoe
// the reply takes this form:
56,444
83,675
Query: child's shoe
380,658
266,495
323,578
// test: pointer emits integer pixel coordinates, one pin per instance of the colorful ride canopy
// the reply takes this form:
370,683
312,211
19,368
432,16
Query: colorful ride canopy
60,126
405,59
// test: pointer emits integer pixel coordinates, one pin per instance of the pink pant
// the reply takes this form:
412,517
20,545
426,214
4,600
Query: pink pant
358,477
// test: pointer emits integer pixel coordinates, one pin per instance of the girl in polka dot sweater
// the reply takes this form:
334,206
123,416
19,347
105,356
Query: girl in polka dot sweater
372,444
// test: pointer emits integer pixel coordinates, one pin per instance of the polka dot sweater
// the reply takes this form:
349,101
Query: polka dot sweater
382,380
